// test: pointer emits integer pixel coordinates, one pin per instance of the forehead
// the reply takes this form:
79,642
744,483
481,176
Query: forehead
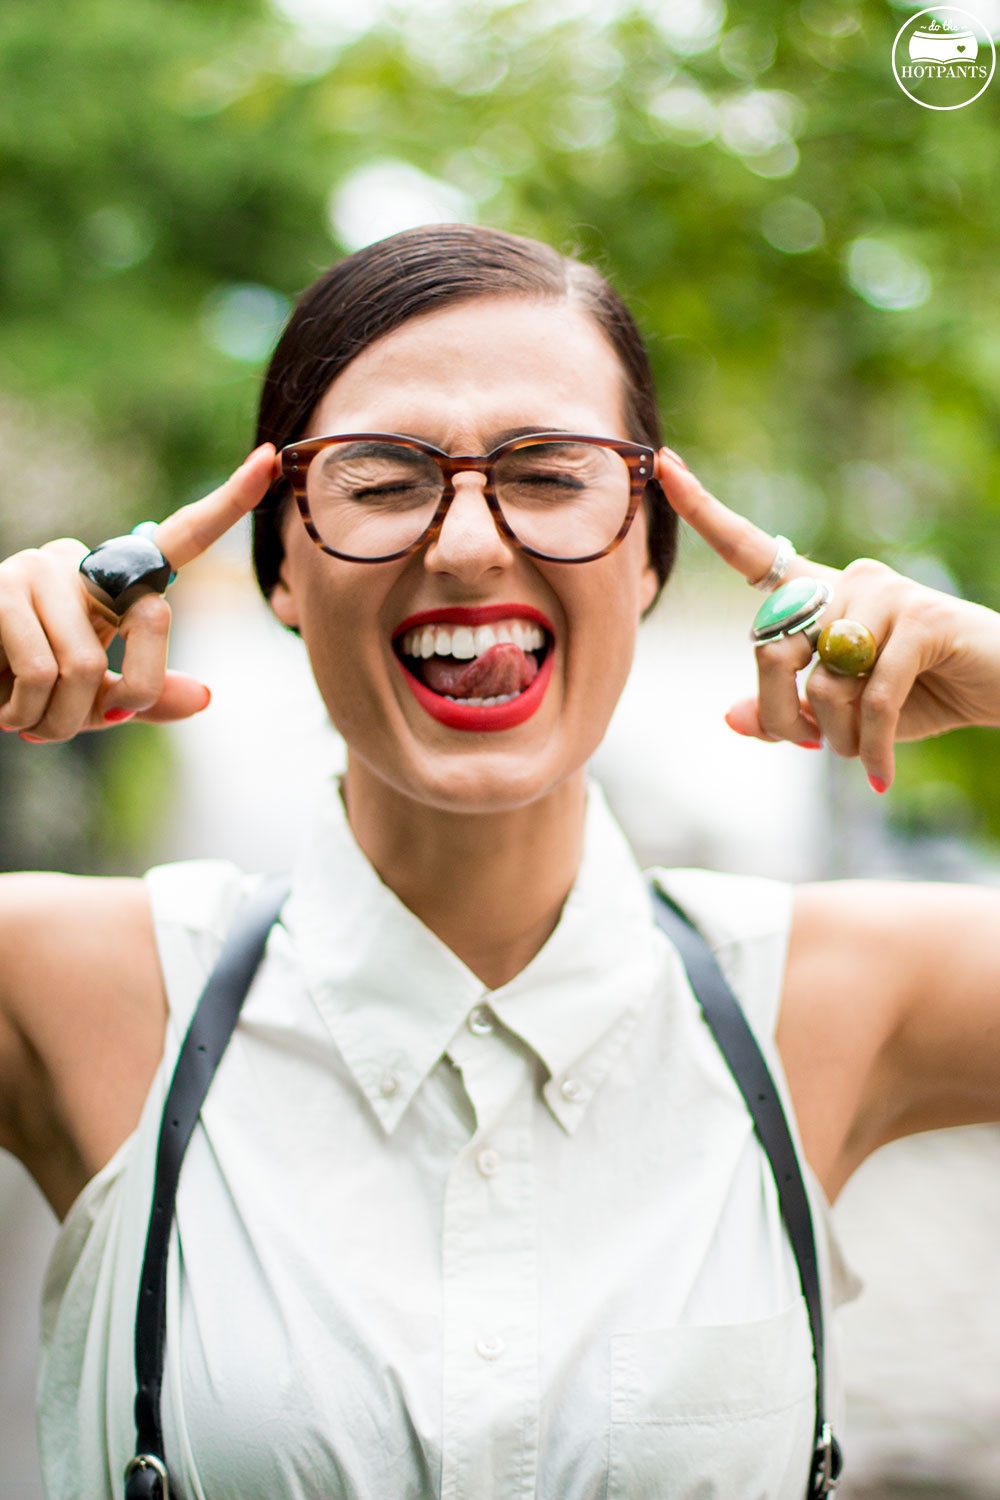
478,368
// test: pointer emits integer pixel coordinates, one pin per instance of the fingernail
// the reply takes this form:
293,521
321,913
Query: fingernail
744,732
208,699
676,457
8,728
878,785
810,744
259,449
119,715
32,739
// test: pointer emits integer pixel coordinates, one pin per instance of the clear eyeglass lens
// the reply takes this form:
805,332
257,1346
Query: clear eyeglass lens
564,499
373,498
370,499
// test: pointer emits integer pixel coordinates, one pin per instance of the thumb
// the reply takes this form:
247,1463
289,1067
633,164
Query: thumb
744,718
182,698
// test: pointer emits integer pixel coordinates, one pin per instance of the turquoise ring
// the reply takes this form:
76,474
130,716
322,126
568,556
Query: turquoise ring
793,609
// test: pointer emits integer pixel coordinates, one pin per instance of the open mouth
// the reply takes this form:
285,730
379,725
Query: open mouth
482,668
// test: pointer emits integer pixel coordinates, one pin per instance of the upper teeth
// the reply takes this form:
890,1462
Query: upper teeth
464,642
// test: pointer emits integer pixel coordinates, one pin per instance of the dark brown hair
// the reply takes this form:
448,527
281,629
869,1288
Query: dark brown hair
376,290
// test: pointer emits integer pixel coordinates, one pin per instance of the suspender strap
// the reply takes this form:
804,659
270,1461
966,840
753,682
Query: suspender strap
207,1037
745,1060
146,1476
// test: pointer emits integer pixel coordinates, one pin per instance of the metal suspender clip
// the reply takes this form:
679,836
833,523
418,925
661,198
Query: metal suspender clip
827,1462
146,1478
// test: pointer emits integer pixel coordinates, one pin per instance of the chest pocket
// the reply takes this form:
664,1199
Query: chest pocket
713,1412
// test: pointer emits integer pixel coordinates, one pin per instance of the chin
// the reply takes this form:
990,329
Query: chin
473,782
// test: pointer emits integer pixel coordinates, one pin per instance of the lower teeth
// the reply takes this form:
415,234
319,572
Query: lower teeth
482,702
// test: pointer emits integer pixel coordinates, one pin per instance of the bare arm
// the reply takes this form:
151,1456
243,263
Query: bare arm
890,1022
81,997
81,1023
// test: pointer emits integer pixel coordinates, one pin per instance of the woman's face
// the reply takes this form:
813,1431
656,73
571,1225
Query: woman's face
464,379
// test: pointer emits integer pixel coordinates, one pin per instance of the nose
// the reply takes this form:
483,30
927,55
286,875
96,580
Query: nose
469,543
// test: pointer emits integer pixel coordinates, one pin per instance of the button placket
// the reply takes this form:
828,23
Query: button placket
490,1406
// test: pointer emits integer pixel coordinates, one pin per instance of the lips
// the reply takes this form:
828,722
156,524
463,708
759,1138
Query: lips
477,668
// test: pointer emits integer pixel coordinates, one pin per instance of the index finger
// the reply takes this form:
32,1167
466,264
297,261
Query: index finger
739,543
191,530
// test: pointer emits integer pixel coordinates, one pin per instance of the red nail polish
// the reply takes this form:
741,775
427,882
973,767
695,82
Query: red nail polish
119,715
32,739
810,744
8,728
878,785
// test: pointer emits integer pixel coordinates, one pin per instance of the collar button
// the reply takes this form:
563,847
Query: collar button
480,1022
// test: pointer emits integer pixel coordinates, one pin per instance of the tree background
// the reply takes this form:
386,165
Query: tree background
813,256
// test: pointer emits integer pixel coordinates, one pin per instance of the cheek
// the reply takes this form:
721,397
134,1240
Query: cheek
603,625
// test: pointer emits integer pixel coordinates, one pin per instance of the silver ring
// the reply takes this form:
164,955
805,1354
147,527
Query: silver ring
783,554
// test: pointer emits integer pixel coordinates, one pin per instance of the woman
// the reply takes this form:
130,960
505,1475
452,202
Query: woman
474,1208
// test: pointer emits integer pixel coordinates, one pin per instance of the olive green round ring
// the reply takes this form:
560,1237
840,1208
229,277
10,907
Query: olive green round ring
847,647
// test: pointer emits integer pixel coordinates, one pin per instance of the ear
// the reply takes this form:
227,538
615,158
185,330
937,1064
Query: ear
648,586
283,601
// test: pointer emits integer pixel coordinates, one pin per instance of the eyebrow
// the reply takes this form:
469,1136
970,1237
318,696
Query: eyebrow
506,436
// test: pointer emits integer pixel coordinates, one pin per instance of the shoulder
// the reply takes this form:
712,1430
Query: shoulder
745,919
81,1019
889,1017
192,905
83,1005
729,909
196,895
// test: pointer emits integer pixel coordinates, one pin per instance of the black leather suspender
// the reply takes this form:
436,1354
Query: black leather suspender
218,1010
146,1475
745,1060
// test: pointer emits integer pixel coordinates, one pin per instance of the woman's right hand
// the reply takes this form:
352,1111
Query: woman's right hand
54,676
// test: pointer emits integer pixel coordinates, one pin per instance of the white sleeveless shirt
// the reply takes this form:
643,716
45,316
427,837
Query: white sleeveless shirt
438,1241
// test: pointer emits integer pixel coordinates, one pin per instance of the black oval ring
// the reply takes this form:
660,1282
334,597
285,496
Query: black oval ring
123,569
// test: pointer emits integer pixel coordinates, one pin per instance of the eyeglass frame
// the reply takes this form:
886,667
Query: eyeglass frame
638,458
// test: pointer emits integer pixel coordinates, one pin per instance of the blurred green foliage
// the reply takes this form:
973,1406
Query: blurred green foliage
814,256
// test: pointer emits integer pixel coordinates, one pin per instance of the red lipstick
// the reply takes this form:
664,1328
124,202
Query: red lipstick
453,713
478,614
457,715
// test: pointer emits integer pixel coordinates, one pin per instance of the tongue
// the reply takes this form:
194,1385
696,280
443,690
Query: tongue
502,669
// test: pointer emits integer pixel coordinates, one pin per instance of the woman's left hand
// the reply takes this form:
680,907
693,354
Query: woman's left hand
938,664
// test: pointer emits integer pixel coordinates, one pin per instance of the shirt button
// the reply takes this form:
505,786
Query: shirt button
571,1089
490,1348
488,1162
388,1085
480,1022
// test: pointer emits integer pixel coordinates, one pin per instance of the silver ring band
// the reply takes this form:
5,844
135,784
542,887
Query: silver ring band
783,554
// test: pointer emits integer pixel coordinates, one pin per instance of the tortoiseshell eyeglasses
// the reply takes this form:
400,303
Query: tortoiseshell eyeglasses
375,496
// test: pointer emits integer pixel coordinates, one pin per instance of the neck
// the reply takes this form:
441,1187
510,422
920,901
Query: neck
489,885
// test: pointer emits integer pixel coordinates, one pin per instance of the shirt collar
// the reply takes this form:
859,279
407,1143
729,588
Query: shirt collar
579,999
393,995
